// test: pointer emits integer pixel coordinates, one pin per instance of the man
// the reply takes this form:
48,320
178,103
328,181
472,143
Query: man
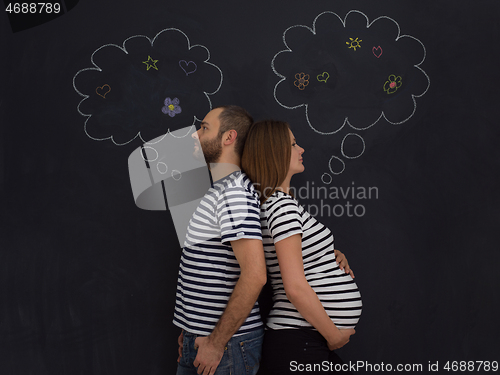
222,269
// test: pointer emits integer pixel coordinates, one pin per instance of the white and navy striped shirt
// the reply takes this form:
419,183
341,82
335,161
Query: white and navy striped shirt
282,217
209,270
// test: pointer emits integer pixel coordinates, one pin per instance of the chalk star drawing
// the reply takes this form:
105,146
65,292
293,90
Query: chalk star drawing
150,63
103,90
354,43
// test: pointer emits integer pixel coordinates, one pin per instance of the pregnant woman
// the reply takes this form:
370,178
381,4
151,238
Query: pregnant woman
316,305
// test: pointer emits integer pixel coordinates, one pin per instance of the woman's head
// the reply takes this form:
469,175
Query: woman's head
270,156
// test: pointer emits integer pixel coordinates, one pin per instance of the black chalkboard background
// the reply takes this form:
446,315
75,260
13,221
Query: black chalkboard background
87,279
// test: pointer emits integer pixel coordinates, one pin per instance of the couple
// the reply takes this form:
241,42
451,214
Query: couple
237,229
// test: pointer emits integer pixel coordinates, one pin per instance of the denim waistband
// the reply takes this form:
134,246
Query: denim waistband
254,333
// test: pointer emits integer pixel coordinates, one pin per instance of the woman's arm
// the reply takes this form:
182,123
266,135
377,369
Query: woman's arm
302,296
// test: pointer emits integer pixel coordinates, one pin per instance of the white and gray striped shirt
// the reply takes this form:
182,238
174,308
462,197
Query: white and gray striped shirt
208,269
282,217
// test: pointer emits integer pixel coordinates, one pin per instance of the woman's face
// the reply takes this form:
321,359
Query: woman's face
296,165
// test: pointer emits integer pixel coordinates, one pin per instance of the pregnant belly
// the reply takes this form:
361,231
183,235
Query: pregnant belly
340,297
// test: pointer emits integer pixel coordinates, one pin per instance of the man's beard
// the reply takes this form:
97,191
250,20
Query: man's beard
212,150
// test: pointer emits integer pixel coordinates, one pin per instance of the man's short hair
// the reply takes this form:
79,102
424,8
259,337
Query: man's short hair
237,118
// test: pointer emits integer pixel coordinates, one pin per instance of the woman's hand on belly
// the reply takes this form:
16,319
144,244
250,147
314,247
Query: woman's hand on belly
340,339
342,262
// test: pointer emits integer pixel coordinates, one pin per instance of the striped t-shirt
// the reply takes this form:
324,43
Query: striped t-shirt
282,217
208,269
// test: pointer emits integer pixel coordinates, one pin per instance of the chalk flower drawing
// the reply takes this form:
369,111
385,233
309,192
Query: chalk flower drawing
353,97
172,107
393,84
302,80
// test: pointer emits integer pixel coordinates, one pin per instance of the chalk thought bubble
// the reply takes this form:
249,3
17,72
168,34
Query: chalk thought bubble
146,87
350,72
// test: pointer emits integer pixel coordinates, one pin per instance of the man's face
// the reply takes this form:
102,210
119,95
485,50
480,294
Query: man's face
208,134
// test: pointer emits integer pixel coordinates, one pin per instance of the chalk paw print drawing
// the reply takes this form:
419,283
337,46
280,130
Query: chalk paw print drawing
134,90
365,72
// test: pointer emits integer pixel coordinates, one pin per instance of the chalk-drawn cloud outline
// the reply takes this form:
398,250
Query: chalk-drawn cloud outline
123,48
377,52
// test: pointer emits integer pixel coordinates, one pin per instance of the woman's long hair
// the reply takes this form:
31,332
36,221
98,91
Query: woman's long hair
266,156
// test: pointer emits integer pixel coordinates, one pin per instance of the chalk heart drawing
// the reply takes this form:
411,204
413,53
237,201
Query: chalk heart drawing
103,90
377,51
323,77
188,67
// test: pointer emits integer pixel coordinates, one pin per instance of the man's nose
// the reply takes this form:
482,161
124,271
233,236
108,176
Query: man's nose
195,135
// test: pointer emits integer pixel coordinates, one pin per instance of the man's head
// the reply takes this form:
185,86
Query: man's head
223,132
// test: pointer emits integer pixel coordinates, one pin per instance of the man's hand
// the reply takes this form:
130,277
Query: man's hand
209,355
250,255
180,341
341,339
342,262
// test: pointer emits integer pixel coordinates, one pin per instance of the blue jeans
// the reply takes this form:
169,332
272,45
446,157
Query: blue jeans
241,355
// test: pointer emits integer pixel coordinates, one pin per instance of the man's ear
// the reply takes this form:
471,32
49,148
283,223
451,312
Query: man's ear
229,137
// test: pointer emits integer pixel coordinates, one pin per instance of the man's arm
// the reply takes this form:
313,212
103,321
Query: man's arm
250,256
